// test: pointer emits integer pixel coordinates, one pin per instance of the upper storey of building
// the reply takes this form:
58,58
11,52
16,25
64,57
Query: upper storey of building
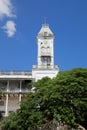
15,75
45,32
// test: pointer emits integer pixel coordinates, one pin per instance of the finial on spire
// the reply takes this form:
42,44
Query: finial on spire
45,22
45,19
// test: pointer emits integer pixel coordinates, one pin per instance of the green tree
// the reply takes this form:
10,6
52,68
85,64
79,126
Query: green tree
0,93
0,102
10,122
63,98
73,89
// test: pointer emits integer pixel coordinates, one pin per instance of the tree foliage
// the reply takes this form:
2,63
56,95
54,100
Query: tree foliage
0,101
0,93
63,98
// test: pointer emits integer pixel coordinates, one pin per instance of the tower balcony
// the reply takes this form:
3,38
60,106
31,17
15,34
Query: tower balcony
49,67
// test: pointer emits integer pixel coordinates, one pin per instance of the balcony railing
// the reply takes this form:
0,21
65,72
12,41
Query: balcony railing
17,91
45,67
15,73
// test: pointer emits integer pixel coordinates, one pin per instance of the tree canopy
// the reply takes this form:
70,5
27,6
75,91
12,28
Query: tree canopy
63,98
0,104
0,93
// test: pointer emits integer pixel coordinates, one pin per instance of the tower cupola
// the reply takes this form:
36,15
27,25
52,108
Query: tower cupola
45,32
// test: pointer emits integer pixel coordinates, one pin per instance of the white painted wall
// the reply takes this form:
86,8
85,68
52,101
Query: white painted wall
39,74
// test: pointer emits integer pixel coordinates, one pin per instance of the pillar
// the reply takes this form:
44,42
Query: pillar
20,91
6,107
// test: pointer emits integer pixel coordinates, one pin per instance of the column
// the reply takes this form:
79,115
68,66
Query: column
20,91
6,108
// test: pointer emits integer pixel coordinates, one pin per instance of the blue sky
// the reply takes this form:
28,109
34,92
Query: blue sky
21,20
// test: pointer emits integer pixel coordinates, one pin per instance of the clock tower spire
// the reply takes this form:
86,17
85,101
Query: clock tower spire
45,58
45,42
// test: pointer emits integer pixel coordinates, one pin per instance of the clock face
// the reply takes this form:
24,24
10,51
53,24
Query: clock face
44,44
45,41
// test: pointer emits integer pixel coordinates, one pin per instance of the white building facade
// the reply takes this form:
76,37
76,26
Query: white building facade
15,85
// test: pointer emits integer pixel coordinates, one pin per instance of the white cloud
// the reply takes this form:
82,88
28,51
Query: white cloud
10,28
6,9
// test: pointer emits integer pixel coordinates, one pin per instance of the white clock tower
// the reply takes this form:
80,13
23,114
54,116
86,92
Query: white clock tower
45,59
